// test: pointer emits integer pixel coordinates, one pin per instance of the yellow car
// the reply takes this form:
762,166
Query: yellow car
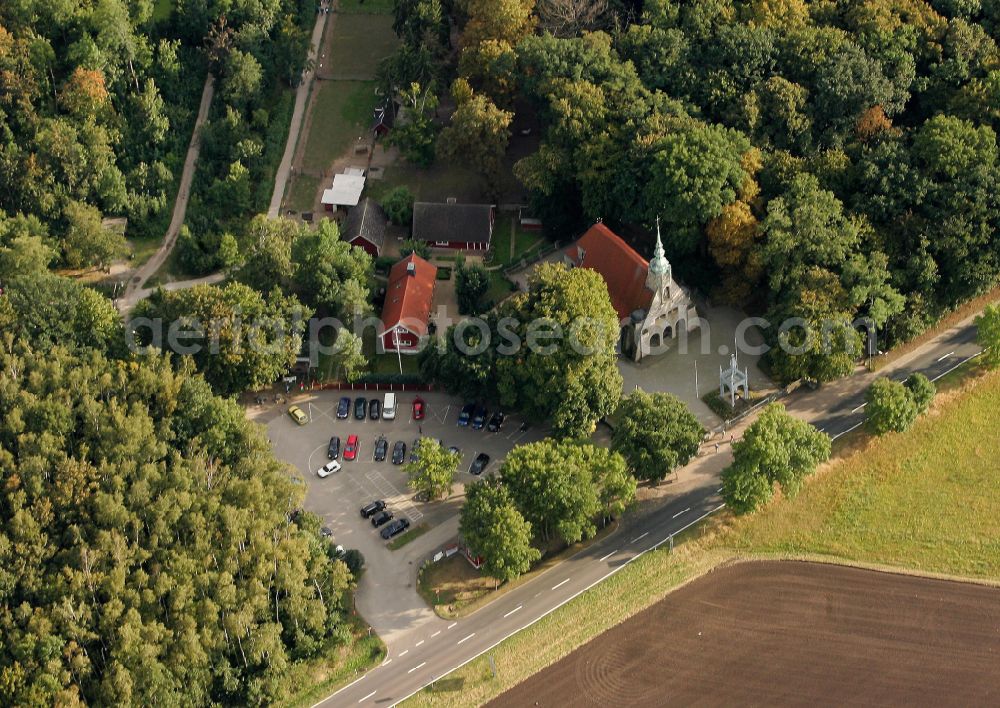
298,415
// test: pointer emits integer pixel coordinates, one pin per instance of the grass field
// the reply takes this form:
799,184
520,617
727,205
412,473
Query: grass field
302,193
411,535
360,41
433,184
926,500
341,114
369,7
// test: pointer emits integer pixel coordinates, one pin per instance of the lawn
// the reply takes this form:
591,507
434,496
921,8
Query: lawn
341,114
359,43
927,500
301,195
370,7
433,184
524,240
500,289
411,535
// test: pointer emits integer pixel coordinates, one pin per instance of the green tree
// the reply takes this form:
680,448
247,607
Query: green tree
988,335
329,274
563,487
775,449
433,472
477,135
415,132
471,284
236,337
890,408
398,206
566,370
921,390
164,561
655,433
87,242
493,528
266,247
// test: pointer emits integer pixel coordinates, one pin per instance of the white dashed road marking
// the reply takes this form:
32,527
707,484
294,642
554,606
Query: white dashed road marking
435,634
559,585
604,558
419,643
418,666
513,611
463,639
681,513
452,625
639,537
404,652
368,696
946,356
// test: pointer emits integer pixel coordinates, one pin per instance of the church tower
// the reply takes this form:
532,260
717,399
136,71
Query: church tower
659,276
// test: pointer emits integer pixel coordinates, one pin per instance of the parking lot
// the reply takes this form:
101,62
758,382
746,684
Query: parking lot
387,599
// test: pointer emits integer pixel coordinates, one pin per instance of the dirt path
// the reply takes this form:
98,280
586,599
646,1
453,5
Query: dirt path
788,633
295,129
135,288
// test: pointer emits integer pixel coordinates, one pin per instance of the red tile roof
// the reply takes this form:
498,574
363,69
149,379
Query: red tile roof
408,298
622,268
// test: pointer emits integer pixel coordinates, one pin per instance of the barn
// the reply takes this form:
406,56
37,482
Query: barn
366,226
465,227
408,300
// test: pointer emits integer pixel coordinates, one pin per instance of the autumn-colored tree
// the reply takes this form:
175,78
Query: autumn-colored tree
84,94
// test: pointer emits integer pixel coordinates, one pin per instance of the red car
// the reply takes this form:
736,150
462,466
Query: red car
351,448
418,409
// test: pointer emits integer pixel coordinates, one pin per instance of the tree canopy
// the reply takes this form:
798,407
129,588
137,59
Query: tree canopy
148,540
655,433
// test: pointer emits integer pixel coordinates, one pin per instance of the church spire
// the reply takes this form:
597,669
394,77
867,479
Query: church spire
659,266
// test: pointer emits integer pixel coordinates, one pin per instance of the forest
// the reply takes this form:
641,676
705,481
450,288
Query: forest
832,160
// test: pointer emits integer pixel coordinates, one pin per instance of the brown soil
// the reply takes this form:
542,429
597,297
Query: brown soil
779,633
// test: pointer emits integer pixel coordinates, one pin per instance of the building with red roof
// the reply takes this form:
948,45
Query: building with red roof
408,300
652,308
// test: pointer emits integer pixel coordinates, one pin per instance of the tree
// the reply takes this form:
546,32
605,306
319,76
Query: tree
329,274
241,77
988,335
266,247
433,472
775,449
562,487
398,206
477,135
415,132
471,284
655,433
87,242
236,337
890,408
494,529
921,390
163,561
410,245
565,369
568,18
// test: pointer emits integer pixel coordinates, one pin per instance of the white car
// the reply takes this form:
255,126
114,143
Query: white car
328,469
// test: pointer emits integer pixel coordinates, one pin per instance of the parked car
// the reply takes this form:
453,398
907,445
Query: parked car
479,464
344,408
496,422
479,418
351,448
328,469
454,448
360,408
333,449
298,415
381,518
466,415
369,509
389,406
374,409
418,408
326,532
381,447
398,452
395,528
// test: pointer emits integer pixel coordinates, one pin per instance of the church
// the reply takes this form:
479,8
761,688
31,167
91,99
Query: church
652,308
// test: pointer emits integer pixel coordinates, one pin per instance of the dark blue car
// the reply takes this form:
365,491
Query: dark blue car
344,407
466,415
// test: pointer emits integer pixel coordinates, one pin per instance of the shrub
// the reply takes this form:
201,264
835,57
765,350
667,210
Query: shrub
890,407
921,390
355,562
398,206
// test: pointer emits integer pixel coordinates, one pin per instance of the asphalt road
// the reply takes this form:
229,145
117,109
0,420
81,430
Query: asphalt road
836,408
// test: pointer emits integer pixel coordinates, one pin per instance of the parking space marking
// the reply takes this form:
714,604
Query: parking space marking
388,491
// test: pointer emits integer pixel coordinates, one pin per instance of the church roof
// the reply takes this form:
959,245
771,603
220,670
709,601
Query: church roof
623,269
